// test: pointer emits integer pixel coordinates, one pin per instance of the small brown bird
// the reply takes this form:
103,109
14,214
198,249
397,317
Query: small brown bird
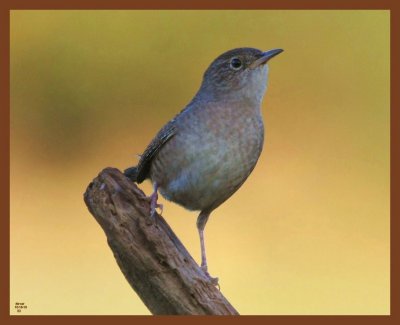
206,152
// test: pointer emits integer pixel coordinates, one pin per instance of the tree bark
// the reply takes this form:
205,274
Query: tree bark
154,261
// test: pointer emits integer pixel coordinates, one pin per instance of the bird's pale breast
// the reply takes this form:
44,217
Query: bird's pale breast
213,152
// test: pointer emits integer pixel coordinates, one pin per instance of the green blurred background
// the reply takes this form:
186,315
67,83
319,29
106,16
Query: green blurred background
308,233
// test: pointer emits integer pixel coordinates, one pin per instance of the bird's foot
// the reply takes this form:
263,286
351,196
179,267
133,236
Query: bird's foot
154,204
212,280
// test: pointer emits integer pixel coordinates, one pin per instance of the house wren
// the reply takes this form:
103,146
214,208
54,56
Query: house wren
206,152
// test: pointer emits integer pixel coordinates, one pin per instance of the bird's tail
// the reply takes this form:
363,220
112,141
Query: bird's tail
131,173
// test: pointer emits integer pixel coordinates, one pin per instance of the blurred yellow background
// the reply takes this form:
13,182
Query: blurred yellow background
308,233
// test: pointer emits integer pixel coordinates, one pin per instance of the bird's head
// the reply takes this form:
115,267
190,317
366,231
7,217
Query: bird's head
238,73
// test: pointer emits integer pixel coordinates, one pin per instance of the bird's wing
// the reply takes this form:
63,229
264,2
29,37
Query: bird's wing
165,134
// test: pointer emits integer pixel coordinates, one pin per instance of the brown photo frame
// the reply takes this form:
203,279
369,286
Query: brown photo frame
8,5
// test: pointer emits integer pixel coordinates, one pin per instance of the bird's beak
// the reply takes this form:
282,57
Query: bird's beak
266,56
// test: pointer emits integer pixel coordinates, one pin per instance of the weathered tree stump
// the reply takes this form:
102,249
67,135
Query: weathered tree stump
154,261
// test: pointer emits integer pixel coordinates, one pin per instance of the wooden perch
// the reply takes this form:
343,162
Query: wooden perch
154,261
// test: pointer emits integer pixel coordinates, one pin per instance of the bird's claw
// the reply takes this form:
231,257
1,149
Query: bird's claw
212,280
159,206
154,204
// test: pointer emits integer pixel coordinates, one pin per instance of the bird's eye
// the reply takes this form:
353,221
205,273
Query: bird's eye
236,64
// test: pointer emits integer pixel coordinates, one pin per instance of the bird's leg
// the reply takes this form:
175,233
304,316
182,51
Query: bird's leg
201,223
153,201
